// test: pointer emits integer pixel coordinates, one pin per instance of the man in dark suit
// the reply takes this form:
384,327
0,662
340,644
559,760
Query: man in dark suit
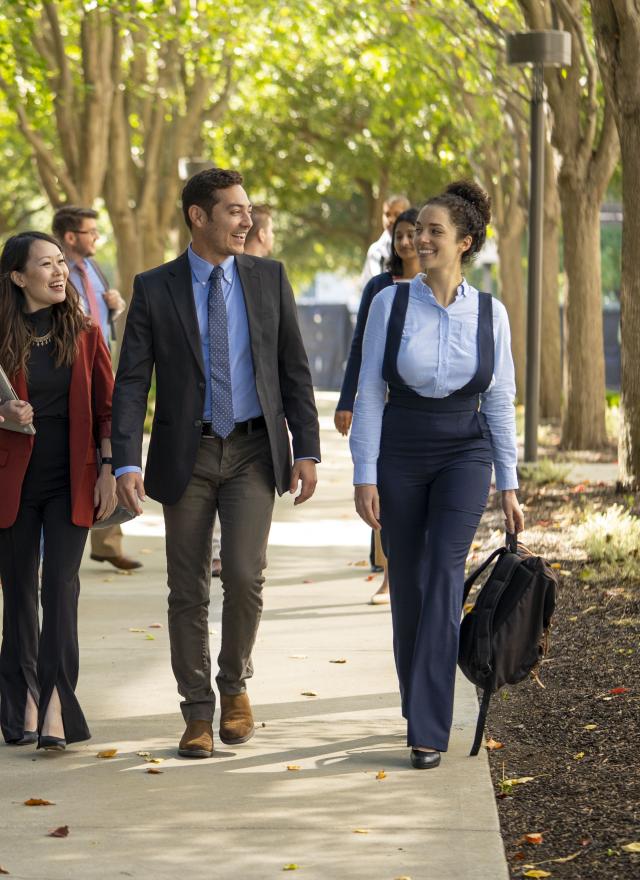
221,330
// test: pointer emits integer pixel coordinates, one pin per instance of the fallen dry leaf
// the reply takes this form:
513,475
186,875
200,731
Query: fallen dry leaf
578,756
38,802
145,550
62,831
307,581
555,565
590,727
534,837
107,753
360,830
156,626
492,744
404,877
291,867
144,754
567,858
519,781
308,694
381,774
362,563
339,660
150,638
136,629
155,760
632,847
294,767
153,770
536,872
370,577
620,690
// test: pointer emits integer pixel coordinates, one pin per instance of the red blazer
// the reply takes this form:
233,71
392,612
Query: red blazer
89,422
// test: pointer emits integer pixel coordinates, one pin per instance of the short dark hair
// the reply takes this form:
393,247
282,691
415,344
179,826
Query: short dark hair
202,189
260,215
469,208
69,217
394,263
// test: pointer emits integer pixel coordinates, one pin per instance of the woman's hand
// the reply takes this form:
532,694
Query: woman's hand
342,420
17,411
368,505
104,494
513,515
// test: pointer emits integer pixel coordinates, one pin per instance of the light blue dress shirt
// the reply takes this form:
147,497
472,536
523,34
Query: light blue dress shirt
243,384
100,289
438,355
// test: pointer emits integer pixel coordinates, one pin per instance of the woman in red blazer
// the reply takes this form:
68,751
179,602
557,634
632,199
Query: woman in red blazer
49,484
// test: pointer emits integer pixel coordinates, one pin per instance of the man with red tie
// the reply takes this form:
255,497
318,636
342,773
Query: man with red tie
77,231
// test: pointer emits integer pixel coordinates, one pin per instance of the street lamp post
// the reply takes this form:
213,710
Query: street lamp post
539,49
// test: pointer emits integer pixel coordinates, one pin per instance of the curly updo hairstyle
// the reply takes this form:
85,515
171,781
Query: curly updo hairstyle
469,208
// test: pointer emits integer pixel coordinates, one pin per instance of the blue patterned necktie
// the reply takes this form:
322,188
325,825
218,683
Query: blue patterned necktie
219,365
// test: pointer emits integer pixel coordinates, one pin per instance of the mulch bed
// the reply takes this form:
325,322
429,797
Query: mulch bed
579,737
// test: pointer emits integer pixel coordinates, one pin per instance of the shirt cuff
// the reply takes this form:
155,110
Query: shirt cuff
365,473
129,469
307,458
506,477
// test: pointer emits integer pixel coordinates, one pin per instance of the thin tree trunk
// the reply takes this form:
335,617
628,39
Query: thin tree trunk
550,361
629,436
512,292
584,416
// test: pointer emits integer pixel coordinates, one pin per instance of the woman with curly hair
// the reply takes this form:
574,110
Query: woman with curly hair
49,483
423,460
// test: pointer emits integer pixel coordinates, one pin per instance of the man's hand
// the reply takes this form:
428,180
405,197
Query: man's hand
513,515
368,505
19,411
130,490
342,420
114,301
303,472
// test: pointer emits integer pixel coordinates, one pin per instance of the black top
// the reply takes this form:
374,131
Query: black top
352,371
48,385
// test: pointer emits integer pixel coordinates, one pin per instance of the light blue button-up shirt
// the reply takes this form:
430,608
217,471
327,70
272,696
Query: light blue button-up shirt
438,355
100,290
243,384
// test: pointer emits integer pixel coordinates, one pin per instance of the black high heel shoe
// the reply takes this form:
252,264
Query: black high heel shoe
52,743
28,738
424,760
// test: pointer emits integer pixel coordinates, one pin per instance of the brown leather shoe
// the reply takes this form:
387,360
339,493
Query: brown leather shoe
236,719
197,740
122,562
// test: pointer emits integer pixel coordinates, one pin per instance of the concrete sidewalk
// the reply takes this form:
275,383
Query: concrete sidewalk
243,814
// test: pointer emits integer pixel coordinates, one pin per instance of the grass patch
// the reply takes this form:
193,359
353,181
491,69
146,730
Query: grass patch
543,472
610,536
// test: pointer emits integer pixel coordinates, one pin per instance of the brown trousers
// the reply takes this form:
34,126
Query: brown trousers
106,542
233,478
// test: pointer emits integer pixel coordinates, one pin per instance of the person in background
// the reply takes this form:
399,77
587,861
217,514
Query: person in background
220,437
60,368
434,412
402,265
258,243
76,228
379,252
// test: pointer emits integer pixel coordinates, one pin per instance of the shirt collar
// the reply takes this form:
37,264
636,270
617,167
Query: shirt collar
202,269
423,287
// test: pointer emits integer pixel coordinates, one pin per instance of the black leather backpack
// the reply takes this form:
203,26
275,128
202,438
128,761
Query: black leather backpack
503,637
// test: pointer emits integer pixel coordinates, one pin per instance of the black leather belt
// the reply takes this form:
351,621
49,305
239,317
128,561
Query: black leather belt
247,427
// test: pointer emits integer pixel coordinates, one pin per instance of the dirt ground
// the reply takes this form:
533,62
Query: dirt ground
579,736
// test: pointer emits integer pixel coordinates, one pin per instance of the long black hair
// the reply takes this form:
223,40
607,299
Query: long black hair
394,263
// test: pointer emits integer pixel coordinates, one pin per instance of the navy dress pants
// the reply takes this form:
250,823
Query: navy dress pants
434,473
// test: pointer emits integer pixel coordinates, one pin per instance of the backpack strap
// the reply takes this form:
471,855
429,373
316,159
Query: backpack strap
478,571
482,720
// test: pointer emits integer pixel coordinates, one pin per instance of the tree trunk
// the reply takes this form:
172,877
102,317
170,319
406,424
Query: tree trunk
629,436
583,424
512,292
550,349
